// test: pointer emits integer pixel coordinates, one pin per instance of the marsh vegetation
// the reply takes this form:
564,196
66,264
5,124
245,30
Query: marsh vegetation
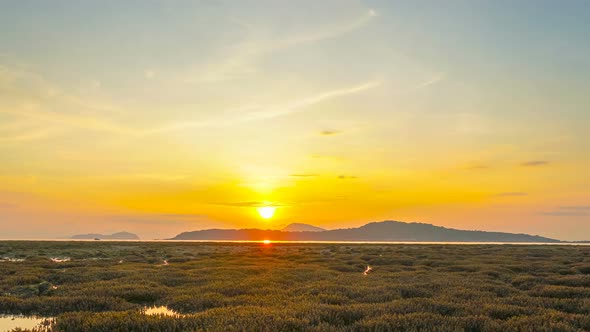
107,286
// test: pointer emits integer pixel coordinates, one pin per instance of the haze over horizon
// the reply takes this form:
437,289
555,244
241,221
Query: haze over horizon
158,118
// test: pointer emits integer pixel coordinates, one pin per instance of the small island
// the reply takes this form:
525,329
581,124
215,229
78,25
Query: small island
114,236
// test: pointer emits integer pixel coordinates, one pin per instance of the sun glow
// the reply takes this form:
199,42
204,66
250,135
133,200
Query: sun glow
266,212
266,242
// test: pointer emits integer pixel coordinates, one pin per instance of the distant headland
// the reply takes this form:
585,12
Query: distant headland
384,231
114,236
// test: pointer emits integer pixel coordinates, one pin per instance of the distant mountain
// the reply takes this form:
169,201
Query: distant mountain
298,227
114,236
376,231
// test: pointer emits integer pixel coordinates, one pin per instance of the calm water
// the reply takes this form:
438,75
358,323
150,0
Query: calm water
162,310
319,242
10,322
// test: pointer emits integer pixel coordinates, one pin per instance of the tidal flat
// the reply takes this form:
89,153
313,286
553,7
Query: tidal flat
109,286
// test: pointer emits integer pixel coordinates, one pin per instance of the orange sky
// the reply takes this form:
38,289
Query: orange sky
336,113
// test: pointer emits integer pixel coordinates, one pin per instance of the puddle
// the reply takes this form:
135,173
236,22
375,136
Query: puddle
60,259
9,259
162,310
10,322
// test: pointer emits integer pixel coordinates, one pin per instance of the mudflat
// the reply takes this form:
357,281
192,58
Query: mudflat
107,286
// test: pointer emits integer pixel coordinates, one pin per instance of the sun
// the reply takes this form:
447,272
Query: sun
266,212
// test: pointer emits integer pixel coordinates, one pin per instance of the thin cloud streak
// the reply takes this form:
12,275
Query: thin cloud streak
183,216
242,59
565,213
70,120
576,207
159,218
29,99
7,205
268,112
511,194
569,211
477,167
358,23
306,102
533,163
434,80
252,204
31,111
26,137
431,81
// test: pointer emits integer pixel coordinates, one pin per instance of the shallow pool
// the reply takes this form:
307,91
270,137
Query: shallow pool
9,322
162,310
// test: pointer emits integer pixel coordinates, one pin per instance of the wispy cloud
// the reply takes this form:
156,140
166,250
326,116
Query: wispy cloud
435,79
157,219
7,205
534,163
511,194
431,81
303,103
190,216
330,132
330,33
46,106
34,101
251,204
149,74
560,213
569,211
36,112
347,177
26,137
242,59
326,157
477,167
252,113
576,207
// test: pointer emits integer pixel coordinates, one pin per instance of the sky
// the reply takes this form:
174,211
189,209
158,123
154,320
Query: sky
157,117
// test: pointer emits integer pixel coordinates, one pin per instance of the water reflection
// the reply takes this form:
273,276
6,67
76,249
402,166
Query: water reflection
162,310
10,259
60,259
10,322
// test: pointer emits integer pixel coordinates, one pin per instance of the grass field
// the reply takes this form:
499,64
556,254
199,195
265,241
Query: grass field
104,286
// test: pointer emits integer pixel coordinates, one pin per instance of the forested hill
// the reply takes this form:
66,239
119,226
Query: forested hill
376,231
